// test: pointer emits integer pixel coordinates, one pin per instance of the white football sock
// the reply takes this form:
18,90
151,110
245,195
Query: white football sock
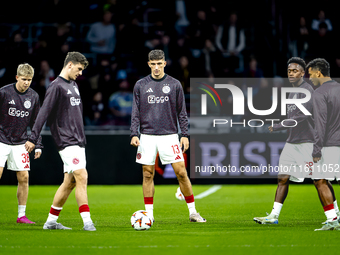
330,214
149,209
86,217
276,209
192,208
21,210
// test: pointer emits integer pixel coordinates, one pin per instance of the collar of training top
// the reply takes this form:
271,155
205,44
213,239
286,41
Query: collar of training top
21,93
64,79
158,80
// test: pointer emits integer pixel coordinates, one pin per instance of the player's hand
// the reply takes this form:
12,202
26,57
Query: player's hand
271,129
37,154
135,141
185,143
29,146
316,159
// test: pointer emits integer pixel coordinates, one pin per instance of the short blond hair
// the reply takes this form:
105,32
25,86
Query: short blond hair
25,70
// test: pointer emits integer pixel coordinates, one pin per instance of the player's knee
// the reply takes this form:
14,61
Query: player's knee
283,181
23,178
319,183
70,185
181,174
80,176
147,175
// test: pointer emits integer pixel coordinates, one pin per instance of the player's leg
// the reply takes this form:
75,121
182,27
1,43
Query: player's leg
81,178
146,156
59,200
282,188
75,176
148,188
326,199
170,152
22,195
329,158
64,190
286,161
335,202
186,188
22,192
280,196
325,194
1,171
182,177
18,161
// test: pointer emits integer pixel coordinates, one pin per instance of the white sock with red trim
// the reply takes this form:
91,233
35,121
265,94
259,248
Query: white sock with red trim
54,214
330,212
148,201
191,204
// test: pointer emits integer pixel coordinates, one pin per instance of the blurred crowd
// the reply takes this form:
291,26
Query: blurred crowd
233,39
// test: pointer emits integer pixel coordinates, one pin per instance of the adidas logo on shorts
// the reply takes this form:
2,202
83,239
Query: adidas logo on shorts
178,157
27,166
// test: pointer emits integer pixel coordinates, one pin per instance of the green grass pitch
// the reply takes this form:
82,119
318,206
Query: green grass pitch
229,230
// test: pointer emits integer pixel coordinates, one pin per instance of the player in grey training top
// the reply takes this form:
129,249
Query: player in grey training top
63,109
296,152
158,104
19,109
326,149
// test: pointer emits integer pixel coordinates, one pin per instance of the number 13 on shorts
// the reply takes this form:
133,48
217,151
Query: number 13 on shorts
175,149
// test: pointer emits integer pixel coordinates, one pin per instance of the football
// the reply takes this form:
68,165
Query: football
179,195
140,220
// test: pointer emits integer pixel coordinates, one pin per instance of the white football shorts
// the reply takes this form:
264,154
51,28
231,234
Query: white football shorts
168,147
296,160
16,156
73,158
329,165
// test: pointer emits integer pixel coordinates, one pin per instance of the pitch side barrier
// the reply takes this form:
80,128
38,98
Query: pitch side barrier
111,160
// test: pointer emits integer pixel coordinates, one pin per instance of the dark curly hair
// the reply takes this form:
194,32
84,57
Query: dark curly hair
298,61
320,64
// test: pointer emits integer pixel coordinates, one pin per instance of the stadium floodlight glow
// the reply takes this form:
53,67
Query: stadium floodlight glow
238,100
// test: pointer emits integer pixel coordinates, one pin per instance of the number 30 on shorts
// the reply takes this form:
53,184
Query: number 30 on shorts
175,149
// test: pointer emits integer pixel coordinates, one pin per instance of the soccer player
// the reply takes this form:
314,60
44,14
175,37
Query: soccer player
158,104
63,110
326,105
19,109
295,160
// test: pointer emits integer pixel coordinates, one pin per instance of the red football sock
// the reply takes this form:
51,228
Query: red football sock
148,200
189,199
54,211
84,208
